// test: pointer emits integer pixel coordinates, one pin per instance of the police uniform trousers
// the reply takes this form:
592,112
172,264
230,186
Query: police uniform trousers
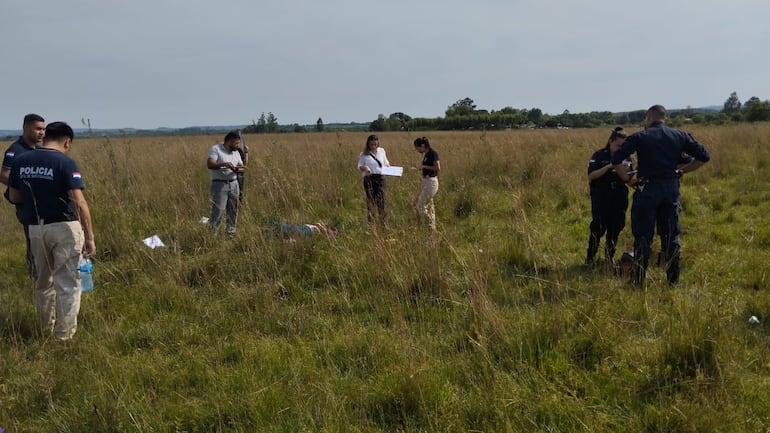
608,215
656,205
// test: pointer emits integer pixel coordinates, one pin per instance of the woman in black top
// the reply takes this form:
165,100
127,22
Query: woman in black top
429,186
609,199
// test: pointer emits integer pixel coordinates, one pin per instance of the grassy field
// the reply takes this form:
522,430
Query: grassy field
489,326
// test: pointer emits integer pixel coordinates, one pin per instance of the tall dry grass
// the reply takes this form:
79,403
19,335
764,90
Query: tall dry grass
488,325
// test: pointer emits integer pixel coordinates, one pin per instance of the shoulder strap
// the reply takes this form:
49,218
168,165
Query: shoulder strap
378,161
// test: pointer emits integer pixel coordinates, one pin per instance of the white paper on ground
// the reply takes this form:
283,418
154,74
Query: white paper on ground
392,171
204,220
153,242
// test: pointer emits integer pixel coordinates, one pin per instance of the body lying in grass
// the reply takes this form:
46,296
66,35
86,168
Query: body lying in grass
292,231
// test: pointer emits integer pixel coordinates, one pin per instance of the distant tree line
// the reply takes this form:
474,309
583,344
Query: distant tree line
464,115
269,123
753,110
264,124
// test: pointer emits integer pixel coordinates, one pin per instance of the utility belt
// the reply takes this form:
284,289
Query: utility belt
659,180
608,186
224,180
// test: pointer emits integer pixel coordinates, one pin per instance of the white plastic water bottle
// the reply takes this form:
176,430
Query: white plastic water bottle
86,269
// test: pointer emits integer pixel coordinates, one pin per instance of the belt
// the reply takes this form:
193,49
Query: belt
429,175
45,221
224,180
661,180
617,185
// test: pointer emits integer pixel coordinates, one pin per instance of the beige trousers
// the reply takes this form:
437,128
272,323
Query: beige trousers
425,207
57,248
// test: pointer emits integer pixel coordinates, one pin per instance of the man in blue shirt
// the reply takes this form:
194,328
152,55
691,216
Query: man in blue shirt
49,187
656,201
33,131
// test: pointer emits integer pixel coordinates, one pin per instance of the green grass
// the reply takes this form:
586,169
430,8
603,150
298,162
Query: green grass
491,325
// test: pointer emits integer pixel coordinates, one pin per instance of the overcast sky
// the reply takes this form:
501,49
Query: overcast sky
177,63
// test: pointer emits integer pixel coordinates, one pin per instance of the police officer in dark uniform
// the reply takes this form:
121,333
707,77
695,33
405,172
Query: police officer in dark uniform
609,199
48,186
32,134
684,159
656,202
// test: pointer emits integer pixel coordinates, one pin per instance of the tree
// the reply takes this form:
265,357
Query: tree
261,126
535,116
271,123
732,104
379,125
319,125
698,118
758,111
463,107
751,101
398,121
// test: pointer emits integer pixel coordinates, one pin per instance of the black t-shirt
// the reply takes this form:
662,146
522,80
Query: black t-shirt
430,158
44,177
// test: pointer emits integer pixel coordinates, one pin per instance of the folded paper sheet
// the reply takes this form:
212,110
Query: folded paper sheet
153,242
392,171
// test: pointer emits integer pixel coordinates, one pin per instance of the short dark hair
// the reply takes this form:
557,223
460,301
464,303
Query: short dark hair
658,112
32,118
232,135
422,140
55,131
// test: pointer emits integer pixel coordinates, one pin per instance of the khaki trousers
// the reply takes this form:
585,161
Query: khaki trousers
57,249
425,207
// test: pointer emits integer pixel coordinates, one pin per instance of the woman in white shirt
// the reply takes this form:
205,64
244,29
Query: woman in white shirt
370,164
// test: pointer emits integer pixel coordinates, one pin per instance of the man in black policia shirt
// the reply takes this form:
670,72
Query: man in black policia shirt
32,134
656,202
48,186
